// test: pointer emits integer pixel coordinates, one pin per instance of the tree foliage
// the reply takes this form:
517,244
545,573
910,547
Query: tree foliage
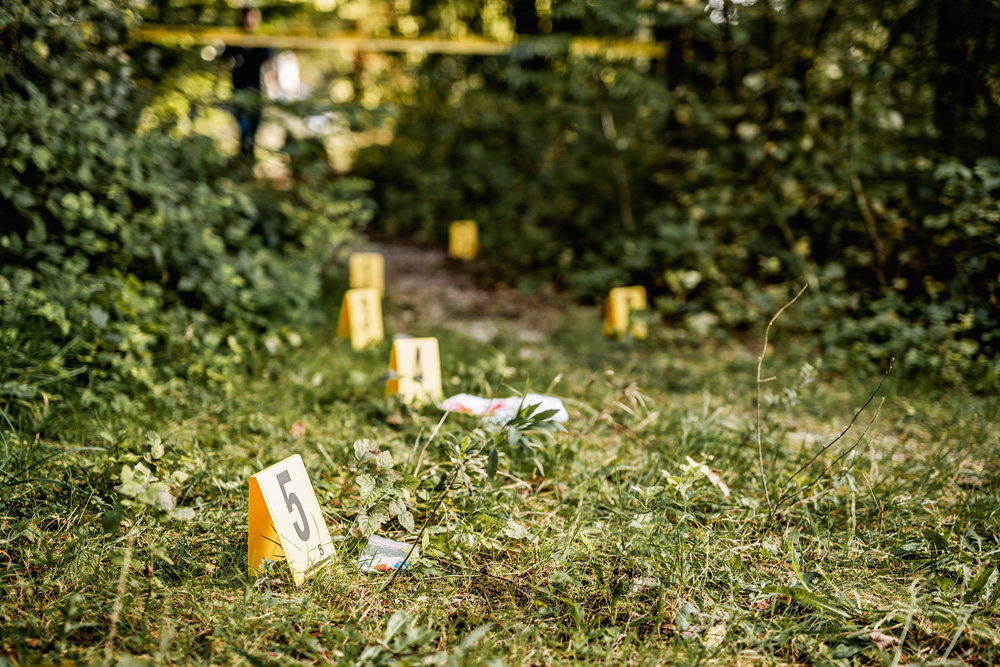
850,145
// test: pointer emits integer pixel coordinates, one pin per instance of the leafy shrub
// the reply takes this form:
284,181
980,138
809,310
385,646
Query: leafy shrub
133,262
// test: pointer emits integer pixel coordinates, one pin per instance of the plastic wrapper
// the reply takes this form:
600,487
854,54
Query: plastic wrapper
385,555
502,410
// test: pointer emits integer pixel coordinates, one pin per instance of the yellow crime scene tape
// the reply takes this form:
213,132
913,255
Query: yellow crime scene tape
473,46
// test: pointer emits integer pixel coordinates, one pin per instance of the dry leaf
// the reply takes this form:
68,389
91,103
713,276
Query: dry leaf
763,605
715,479
882,641
715,635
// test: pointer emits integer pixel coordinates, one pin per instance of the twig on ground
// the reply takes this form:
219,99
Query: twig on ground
837,460
830,444
760,364
116,610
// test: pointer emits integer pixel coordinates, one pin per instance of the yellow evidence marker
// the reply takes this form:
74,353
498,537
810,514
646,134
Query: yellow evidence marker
367,269
621,302
285,520
463,239
416,365
361,317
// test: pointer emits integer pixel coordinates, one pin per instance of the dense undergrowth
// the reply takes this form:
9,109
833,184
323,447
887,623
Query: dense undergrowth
782,145
133,263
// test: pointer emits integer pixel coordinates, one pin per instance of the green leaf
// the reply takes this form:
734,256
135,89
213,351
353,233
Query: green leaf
471,638
367,485
544,415
935,539
492,463
576,613
98,316
396,507
617,591
804,597
398,622
112,519
384,460
363,448
368,525
685,615
978,583
379,514
155,446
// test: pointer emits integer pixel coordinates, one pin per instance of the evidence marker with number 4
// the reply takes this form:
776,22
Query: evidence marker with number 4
415,367
285,520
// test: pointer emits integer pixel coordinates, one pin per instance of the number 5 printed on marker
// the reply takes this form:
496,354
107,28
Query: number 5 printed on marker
285,520
292,501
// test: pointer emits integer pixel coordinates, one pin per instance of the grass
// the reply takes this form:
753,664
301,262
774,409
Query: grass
639,536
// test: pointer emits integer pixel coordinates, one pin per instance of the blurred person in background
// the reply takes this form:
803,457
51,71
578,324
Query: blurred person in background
247,64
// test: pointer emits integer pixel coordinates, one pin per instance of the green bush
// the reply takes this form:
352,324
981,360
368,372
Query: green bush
132,262
775,148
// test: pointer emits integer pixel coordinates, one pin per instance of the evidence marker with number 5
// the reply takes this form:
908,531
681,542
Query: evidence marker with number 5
285,520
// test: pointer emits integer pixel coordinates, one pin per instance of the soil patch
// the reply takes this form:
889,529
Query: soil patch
426,287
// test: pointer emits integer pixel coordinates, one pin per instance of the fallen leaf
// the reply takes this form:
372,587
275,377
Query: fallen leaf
715,635
883,641
763,605
714,477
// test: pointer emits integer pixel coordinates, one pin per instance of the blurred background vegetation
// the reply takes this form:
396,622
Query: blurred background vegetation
752,148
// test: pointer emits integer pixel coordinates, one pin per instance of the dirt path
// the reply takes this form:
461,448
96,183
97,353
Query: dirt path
426,287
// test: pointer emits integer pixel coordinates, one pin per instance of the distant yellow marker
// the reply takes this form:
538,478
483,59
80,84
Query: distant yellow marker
463,240
621,302
361,317
285,521
416,365
367,269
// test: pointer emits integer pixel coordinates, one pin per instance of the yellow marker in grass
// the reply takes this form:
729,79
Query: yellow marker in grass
367,269
617,320
285,521
361,317
416,365
463,239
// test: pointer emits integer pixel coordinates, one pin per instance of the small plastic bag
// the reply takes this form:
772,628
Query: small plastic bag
384,555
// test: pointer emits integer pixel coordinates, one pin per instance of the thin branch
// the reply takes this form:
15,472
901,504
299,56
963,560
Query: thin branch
437,505
617,168
781,498
760,364
866,215
846,429
835,461
423,529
